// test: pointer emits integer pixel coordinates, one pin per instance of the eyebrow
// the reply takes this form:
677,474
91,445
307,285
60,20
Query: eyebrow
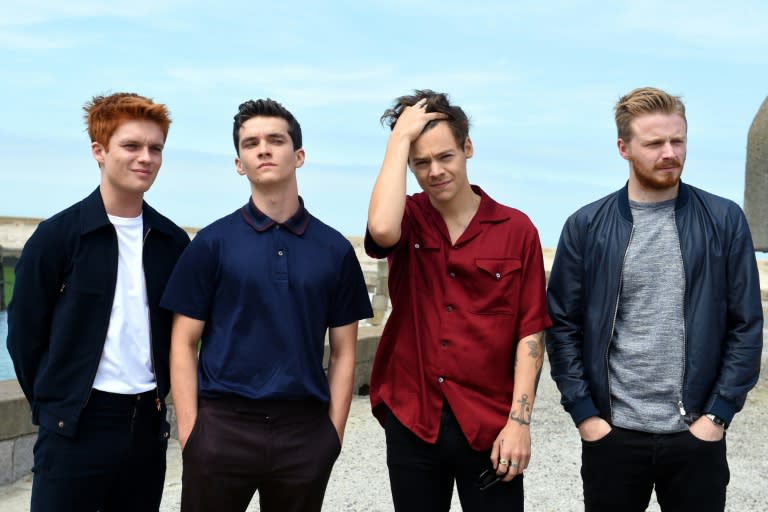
441,154
140,143
271,136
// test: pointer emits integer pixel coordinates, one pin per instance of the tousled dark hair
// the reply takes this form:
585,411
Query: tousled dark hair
265,108
436,102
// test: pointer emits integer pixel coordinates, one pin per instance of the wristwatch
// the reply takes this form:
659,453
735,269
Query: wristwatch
717,420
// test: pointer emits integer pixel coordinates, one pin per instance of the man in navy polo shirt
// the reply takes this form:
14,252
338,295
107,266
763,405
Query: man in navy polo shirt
261,287
455,374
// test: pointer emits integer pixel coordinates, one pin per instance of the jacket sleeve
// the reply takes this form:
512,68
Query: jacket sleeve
39,275
565,338
742,351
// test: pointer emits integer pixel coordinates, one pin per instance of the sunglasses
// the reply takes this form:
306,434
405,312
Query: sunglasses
487,479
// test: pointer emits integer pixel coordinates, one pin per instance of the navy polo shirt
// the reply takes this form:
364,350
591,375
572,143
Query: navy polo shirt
267,293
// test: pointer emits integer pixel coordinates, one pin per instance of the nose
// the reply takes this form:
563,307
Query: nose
263,148
668,151
144,154
434,168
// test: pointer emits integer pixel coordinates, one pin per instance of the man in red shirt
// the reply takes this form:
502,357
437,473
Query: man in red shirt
456,370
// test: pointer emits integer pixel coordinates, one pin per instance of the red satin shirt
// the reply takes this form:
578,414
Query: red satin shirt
458,312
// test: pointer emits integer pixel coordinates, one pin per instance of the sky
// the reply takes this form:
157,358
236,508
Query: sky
538,79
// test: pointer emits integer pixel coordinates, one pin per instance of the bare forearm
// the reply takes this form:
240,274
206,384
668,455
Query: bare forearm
529,360
341,373
184,340
341,377
184,388
387,206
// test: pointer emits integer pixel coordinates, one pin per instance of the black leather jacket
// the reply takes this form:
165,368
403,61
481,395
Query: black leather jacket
62,300
722,309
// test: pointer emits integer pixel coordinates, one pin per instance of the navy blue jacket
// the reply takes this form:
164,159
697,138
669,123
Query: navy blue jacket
723,311
62,300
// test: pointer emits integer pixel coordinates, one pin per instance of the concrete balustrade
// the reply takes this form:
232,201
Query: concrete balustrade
17,434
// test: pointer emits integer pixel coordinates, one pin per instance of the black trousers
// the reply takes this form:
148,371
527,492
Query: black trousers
620,471
285,450
114,463
422,474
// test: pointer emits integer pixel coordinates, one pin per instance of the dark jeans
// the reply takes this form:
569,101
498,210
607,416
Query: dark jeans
422,474
115,461
620,471
283,449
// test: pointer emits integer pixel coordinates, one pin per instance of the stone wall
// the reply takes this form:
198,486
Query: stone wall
17,434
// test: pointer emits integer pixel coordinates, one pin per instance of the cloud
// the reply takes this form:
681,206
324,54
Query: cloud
34,12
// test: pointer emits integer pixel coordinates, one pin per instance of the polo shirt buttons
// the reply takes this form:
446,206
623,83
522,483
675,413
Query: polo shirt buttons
267,419
449,308
417,246
440,380
60,424
498,276
279,253
452,274
444,343
165,435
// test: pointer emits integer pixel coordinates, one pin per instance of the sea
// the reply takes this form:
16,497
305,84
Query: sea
6,367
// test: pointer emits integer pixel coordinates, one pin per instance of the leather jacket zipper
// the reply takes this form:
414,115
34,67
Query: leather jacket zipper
680,403
613,324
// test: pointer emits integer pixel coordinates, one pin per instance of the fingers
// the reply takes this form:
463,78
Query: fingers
413,119
509,469
495,454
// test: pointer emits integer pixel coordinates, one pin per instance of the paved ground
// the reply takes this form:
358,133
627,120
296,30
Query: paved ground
360,483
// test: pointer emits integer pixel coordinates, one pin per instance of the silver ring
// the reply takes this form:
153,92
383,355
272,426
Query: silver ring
513,464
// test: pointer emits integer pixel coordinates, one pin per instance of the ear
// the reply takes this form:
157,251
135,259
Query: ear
623,149
98,151
300,155
239,166
469,150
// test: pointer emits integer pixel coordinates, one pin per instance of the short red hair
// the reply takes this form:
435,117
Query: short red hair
103,114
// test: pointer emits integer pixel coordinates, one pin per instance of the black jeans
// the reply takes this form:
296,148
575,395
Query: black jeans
114,463
620,471
422,474
283,449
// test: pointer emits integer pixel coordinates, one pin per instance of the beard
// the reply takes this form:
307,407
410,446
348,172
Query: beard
654,179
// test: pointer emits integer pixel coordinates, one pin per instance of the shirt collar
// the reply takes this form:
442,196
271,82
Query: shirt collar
296,224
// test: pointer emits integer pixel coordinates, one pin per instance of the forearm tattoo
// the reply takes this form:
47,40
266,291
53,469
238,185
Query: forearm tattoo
534,348
523,414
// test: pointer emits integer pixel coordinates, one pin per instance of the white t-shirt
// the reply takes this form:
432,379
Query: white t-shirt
126,362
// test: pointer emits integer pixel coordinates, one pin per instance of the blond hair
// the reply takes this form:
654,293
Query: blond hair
641,101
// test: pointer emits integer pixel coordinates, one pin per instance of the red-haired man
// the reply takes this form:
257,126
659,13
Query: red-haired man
88,339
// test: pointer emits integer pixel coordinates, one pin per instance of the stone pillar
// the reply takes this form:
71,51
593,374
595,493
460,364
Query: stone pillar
756,183
380,300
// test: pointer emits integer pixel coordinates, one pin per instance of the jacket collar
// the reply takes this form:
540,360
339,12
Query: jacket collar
683,195
94,216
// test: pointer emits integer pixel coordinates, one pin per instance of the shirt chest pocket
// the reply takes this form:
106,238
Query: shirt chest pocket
496,287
